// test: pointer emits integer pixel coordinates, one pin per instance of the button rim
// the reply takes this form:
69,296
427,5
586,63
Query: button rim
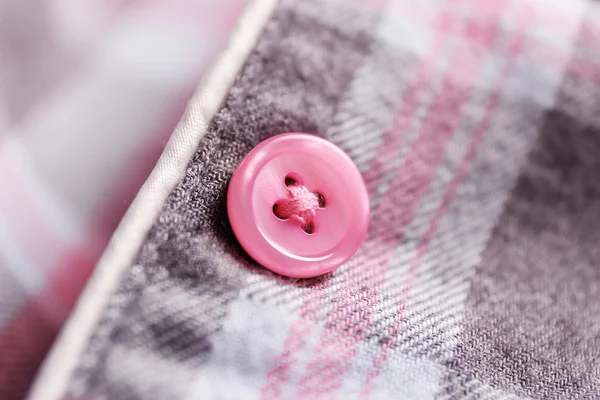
247,232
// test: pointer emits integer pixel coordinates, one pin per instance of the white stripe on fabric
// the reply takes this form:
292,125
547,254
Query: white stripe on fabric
484,391
17,173
16,263
56,371
251,336
555,22
156,377
411,378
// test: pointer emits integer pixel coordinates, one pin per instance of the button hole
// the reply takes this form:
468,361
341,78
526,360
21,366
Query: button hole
292,179
322,202
277,213
309,228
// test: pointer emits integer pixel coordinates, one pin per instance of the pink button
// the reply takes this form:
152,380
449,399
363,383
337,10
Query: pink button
298,205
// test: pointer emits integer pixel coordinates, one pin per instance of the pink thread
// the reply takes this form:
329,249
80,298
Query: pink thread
301,206
296,341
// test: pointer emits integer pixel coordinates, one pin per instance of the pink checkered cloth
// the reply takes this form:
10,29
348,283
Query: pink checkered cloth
476,126
89,93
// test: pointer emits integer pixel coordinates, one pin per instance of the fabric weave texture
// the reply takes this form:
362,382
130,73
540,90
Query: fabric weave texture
475,125
89,93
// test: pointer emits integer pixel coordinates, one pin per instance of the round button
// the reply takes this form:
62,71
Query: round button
298,205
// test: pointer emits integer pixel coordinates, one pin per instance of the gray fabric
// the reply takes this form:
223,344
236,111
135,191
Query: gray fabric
532,325
177,294
478,277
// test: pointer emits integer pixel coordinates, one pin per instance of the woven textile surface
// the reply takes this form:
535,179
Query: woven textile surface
475,125
89,93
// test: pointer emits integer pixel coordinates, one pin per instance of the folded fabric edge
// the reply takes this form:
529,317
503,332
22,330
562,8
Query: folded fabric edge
54,374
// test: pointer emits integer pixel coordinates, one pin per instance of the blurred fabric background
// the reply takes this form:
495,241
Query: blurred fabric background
90,92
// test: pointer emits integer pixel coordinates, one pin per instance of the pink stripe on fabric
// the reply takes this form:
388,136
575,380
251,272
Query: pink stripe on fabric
464,167
590,31
295,342
23,343
393,140
583,70
418,169
390,145
541,51
332,353
416,176
361,305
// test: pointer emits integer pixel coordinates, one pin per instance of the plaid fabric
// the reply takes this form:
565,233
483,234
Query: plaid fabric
475,125
89,93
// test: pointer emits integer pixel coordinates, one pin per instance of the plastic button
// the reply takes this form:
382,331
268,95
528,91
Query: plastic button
298,205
